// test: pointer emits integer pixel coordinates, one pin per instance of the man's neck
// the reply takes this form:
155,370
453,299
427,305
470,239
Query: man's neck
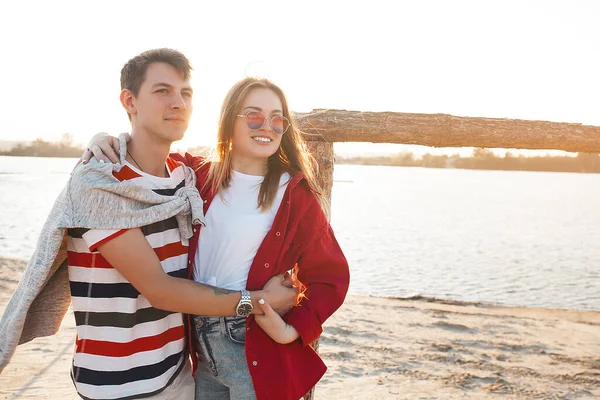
148,154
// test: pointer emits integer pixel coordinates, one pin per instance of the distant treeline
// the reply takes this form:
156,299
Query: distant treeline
480,159
41,148
485,159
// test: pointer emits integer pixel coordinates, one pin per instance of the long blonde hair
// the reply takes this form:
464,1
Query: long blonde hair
292,156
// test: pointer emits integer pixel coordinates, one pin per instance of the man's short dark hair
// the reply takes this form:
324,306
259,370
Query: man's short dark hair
133,73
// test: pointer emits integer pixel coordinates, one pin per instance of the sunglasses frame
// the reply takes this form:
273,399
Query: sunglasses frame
265,119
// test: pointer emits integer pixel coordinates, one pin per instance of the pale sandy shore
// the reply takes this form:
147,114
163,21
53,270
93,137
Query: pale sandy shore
379,348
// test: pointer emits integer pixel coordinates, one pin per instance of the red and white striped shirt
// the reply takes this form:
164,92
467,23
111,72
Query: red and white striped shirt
126,348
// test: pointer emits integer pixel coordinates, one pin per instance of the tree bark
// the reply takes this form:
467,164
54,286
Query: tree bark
323,153
443,130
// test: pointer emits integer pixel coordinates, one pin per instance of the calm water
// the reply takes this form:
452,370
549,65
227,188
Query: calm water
516,238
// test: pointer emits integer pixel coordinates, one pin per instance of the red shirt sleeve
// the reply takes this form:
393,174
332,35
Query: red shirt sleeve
323,269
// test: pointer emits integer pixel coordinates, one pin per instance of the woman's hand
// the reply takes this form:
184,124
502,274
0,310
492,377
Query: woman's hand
104,148
274,325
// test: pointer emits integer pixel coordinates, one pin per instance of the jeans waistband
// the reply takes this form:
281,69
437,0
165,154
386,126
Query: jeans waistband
218,324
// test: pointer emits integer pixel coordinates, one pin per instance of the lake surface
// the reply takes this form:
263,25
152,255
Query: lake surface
514,238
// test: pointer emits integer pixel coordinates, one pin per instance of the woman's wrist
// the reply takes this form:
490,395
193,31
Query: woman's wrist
255,296
290,333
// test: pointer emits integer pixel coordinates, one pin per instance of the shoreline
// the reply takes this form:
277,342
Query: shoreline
568,312
417,298
391,348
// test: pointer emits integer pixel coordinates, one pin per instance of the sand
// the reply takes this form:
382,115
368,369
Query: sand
381,348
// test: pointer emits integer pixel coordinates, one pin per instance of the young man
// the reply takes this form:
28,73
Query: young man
128,286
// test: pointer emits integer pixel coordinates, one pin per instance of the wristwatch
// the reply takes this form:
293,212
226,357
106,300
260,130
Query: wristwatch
244,307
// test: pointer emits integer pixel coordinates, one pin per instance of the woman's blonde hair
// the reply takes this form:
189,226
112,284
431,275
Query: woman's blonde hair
292,156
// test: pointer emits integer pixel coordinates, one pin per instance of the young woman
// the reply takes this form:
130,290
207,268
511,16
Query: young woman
264,215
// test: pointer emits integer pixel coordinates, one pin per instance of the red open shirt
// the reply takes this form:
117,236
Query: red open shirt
300,235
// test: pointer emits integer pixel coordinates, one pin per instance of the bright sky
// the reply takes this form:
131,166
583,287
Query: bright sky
515,59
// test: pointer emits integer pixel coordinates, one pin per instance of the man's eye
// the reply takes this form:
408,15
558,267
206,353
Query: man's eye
161,91
187,94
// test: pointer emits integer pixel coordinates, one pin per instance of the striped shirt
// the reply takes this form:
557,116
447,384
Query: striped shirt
125,348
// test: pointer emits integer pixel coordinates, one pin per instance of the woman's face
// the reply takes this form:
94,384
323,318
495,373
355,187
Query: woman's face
249,145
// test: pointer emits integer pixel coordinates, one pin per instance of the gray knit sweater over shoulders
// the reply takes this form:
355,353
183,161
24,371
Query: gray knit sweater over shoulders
93,198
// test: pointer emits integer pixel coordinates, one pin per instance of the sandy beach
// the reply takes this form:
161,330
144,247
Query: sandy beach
381,348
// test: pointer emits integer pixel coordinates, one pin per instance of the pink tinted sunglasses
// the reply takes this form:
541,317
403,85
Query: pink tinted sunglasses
256,120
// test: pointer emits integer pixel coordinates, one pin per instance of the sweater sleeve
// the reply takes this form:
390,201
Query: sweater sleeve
323,269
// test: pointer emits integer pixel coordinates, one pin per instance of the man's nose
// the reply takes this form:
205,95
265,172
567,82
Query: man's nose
179,103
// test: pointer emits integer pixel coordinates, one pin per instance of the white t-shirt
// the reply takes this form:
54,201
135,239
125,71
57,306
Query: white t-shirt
235,228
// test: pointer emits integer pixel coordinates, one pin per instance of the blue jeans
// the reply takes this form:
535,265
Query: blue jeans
222,369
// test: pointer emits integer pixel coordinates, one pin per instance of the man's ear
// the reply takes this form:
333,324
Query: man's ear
127,100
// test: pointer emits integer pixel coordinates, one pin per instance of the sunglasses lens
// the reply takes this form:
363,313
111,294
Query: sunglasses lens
255,120
279,124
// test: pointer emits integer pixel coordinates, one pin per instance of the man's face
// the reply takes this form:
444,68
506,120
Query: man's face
163,105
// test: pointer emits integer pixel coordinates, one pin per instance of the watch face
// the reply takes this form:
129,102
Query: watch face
244,309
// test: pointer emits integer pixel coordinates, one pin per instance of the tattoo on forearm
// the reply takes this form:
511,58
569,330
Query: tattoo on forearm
220,291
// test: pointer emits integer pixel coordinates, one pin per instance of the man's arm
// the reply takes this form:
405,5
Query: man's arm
131,254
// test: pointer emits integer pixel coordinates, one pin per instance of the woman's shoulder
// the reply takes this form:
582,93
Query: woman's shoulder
304,199
188,159
199,164
301,188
